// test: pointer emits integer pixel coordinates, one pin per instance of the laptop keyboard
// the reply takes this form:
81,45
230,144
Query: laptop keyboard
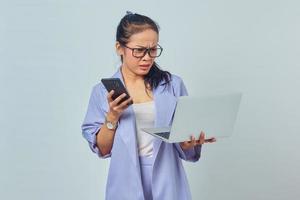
165,135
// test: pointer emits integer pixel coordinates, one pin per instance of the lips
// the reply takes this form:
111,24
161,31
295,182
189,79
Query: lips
145,66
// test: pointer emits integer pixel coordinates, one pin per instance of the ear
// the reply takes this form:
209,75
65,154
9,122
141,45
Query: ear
119,49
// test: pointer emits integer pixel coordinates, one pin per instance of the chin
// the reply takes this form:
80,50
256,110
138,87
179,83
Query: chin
143,72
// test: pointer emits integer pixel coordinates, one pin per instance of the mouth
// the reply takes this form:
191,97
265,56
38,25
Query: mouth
146,66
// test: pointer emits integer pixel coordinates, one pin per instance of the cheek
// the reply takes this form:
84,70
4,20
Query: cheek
127,57
130,59
131,63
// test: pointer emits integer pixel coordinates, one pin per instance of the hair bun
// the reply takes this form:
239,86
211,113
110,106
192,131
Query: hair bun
129,13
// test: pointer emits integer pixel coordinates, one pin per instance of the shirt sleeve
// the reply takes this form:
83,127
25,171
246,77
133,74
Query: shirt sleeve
94,119
192,154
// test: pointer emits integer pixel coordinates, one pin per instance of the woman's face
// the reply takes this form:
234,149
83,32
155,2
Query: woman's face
138,66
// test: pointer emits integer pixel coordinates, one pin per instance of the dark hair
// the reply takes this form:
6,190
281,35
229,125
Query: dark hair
131,24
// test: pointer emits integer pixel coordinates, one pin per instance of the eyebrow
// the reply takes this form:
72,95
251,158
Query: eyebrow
139,46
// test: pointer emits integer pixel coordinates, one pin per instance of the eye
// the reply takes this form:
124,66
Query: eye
139,50
153,49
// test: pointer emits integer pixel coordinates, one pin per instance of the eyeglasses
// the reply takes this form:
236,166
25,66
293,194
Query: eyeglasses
140,52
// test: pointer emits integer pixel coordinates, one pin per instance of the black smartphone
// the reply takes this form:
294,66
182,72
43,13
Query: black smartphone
116,85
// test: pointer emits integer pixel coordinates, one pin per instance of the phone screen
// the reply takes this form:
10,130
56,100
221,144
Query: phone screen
116,85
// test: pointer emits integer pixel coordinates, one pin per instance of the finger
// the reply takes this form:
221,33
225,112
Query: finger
189,144
210,140
129,101
125,104
109,96
202,135
201,138
193,141
118,99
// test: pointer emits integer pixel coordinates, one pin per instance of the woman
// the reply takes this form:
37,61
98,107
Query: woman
141,166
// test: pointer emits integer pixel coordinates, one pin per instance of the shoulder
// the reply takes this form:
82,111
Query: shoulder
178,86
175,79
98,89
98,86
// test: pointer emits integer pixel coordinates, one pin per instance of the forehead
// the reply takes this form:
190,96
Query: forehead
145,38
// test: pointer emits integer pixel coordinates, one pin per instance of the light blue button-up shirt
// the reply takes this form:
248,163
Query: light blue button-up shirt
169,180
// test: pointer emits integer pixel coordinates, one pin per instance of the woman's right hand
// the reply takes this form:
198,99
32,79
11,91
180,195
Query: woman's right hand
115,107
104,140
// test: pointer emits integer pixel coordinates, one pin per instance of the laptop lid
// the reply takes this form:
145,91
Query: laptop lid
214,115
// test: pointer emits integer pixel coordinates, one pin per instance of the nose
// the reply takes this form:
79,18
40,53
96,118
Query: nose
147,55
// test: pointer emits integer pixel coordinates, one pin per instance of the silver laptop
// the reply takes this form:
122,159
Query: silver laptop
214,115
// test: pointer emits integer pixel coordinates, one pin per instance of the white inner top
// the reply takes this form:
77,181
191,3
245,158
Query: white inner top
145,115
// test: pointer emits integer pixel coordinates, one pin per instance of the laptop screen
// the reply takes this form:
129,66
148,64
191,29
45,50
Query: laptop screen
165,135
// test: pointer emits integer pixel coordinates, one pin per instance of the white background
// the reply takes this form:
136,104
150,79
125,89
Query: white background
53,52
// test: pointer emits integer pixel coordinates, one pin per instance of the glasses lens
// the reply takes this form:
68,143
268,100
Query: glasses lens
155,52
139,52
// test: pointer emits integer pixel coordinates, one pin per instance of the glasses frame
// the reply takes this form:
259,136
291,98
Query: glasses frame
146,50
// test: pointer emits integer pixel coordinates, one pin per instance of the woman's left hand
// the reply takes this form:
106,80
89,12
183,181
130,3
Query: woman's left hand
193,142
